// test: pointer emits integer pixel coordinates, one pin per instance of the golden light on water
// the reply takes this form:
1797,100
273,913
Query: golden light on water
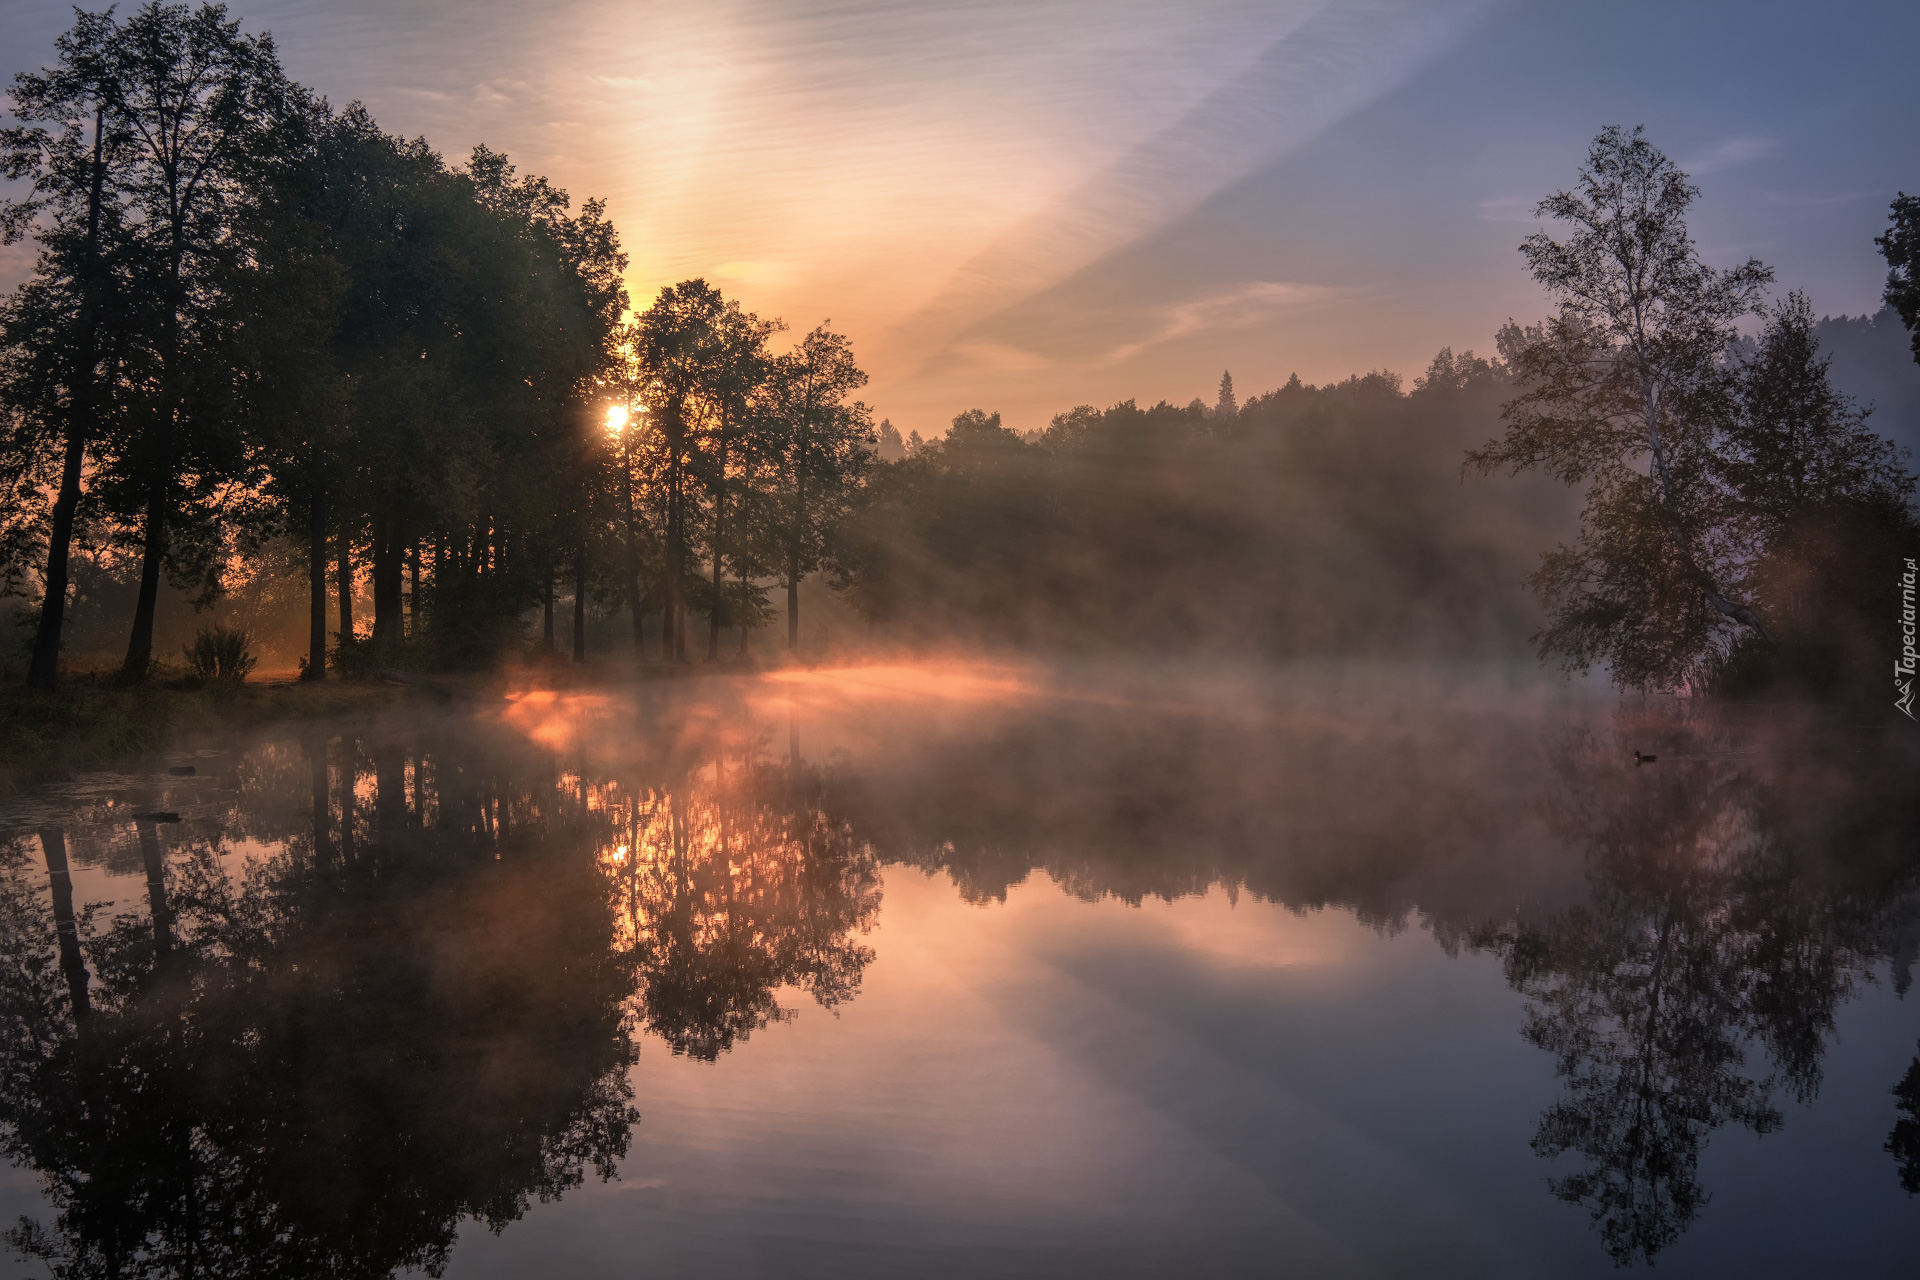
954,681
552,718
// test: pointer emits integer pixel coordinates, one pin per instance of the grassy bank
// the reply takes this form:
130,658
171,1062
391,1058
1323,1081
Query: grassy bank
92,723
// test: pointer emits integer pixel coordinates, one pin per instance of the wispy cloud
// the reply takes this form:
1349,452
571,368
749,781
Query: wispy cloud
1341,58
1244,306
1731,154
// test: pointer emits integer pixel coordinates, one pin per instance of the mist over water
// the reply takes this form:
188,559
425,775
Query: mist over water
952,967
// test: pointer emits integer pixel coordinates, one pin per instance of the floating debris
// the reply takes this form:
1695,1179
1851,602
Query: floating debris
1639,759
158,815
181,770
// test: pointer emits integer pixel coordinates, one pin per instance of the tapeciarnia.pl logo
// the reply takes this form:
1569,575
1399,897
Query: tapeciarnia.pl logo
1903,666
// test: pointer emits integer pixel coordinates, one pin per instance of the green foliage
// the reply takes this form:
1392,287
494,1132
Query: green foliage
756,456
1900,246
1718,488
1821,507
303,326
220,655
272,323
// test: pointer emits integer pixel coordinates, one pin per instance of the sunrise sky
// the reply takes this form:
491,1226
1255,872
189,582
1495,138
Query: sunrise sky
1028,206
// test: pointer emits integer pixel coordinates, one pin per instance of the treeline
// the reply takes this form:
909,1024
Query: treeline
1308,521
1741,523
261,329
257,323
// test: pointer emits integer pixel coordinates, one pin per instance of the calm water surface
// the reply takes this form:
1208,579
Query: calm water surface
954,970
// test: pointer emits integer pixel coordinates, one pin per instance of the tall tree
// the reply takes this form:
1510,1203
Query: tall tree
1818,504
1623,392
624,381
68,139
740,369
680,342
824,446
203,106
290,391
1796,444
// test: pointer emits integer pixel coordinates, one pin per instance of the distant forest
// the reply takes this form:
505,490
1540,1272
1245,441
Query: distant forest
282,371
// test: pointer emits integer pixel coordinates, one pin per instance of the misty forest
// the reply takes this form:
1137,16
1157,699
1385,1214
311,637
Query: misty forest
282,373
507,697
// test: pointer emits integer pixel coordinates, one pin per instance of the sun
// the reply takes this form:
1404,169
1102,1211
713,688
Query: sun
616,418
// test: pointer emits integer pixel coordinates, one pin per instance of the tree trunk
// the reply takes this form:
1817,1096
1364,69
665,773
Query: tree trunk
1732,610
580,607
43,671
53,843
346,584
676,532
793,605
316,573
546,610
140,643
159,460
793,536
718,616
743,620
636,599
388,571
413,589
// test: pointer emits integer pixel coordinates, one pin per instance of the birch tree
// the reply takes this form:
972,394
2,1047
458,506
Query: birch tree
1625,391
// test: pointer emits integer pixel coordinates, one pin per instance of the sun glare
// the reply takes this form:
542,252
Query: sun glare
616,418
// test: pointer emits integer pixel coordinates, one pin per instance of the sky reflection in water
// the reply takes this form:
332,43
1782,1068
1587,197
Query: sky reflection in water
958,969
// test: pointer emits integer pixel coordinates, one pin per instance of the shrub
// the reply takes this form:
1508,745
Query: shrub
220,655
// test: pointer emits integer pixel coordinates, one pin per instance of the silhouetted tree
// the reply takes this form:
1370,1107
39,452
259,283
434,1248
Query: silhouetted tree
1900,246
679,342
824,447
52,331
1817,504
203,109
1630,373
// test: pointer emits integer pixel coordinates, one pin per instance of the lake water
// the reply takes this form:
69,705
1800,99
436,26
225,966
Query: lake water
964,970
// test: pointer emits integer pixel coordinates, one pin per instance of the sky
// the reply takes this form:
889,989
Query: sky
1023,207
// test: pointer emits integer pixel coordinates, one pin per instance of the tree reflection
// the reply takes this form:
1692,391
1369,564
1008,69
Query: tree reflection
1732,910
1903,1144
737,885
323,1069
1735,894
421,1005
419,1008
